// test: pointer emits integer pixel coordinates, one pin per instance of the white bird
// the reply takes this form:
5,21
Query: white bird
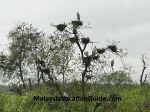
78,16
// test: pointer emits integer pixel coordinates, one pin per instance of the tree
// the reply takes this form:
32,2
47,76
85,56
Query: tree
54,54
142,81
73,28
34,54
22,39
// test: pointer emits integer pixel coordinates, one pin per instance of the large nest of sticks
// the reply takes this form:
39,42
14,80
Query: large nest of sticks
73,39
101,51
85,40
61,27
113,48
77,23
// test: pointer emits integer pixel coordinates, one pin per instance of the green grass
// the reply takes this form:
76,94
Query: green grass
133,99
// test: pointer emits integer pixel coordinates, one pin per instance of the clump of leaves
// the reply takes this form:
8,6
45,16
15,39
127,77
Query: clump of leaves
85,40
73,39
3,60
61,27
113,48
101,51
77,23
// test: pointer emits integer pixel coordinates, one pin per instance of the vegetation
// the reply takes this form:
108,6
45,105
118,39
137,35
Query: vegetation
48,65
133,100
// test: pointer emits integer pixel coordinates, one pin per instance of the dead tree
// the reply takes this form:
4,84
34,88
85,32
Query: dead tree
143,70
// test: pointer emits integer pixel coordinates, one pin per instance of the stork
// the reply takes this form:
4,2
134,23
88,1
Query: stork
78,16
112,64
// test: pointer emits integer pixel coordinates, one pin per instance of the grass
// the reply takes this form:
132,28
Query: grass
133,99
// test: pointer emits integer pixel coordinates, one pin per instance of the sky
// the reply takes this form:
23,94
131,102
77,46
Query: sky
127,21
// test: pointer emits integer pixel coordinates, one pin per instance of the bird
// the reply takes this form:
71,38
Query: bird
78,16
112,64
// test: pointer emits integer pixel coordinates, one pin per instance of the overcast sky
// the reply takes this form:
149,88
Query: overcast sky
127,21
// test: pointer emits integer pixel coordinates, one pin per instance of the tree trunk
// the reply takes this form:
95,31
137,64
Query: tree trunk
30,84
42,76
38,77
143,70
141,77
83,90
21,75
63,81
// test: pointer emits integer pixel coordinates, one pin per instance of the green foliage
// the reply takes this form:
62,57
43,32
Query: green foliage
117,78
6,67
23,38
132,100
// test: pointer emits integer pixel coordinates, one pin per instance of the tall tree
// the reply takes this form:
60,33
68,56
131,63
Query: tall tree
22,38
77,38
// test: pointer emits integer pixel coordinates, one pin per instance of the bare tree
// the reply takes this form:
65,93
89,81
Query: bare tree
142,81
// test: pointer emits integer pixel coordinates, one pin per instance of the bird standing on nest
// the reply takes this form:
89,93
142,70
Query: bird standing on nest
78,16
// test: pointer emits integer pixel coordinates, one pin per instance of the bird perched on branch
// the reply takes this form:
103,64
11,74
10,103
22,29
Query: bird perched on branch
112,64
